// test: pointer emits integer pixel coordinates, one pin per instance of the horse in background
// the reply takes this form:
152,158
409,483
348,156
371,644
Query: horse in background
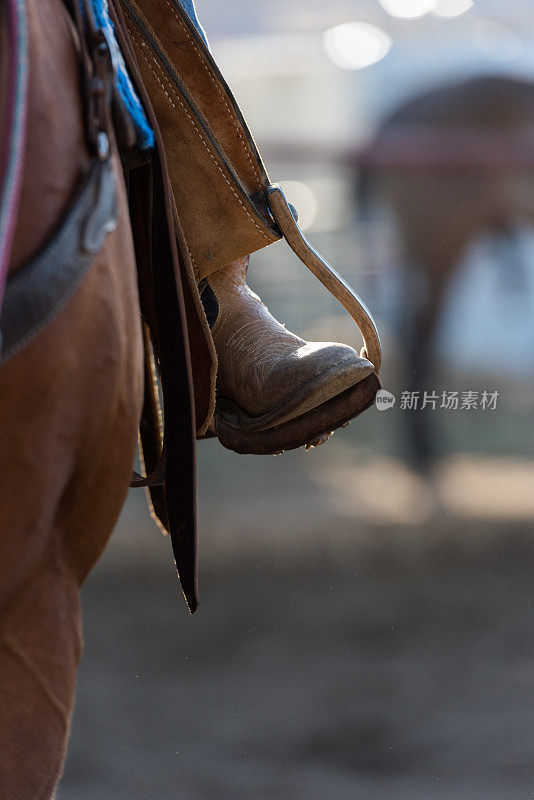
450,163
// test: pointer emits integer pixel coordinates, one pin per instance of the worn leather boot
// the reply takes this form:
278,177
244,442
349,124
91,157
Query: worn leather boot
267,376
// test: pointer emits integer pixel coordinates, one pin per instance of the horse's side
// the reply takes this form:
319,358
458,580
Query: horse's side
70,403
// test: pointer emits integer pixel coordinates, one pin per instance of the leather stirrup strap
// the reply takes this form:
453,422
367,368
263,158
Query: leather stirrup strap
164,310
178,400
171,463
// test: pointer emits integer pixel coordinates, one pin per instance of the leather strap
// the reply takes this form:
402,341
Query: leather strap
159,258
36,293
217,176
13,116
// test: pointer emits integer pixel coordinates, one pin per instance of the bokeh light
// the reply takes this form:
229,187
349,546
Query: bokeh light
355,45
452,8
407,9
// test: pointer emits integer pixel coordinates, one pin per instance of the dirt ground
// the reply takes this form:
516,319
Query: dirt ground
397,667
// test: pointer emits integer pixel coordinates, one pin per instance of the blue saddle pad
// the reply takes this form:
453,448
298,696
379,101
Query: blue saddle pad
124,84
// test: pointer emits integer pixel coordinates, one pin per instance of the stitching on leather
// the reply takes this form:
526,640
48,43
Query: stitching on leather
219,91
142,47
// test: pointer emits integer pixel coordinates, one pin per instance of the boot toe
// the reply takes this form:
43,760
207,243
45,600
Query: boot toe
316,358
314,374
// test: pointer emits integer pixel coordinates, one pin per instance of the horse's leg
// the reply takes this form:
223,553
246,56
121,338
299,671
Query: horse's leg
421,354
433,257
437,214
69,409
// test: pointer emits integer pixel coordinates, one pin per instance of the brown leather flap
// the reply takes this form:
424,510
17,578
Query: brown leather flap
216,173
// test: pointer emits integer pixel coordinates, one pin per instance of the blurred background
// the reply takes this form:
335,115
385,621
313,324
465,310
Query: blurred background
366,627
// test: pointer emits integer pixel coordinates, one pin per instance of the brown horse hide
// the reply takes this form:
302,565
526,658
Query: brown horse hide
69,408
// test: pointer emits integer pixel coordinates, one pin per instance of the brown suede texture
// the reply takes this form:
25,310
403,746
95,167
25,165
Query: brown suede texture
204,82
219,220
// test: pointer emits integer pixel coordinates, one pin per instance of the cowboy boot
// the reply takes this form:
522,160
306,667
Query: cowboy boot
269,380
